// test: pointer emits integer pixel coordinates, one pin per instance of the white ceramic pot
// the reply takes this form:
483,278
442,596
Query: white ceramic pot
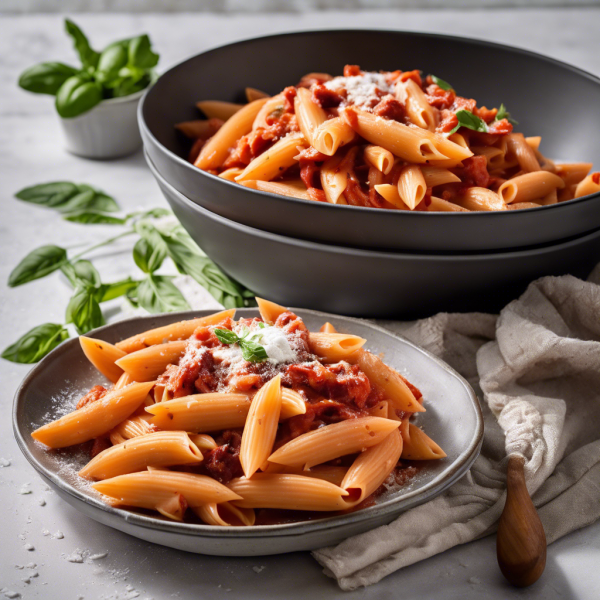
109,130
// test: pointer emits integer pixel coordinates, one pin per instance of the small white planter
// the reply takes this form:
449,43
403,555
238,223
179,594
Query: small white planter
109,130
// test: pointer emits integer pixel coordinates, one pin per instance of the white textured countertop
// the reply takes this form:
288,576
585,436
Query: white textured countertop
31,152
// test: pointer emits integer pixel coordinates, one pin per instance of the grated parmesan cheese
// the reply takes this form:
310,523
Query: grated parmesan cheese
361,90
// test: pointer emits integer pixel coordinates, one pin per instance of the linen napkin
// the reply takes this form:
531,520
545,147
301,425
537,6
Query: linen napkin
536,368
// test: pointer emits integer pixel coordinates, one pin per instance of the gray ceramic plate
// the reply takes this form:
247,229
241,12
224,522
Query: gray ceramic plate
453,419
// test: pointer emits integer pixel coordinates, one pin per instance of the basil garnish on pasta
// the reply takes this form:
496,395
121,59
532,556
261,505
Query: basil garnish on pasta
467,119
441,83
252,351
504,114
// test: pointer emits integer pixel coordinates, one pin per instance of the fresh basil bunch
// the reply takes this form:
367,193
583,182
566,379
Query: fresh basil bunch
122,68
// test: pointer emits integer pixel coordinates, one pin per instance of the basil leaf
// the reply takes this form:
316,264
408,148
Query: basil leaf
467,119
48,194
84,311
441,83
157,294
94,218
155,213
110,291
89,199
148,256
81,273
112,60
36,343
125,86
88,57
76,96
45,78
504,114
38,263
225,336
140,53
253,351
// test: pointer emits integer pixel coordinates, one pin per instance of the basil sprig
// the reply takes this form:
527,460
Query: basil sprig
467,119
252,351
504,114
158,241
122,68
441,83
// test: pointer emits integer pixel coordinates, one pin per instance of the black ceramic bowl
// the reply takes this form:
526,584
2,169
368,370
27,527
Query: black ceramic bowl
539,92
371,283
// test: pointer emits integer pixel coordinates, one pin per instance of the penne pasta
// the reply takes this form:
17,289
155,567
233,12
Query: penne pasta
309,115
333,347
260,427
149,363
253,94
103,356
372,467
291,189
380,158
418,109
391,194
158,449
589,185
215,151
478,198
225,514
94,419
523,152
217,109
332,441
175,331
327,327
334,179
129,428
203,442
274,161
573,173
440,205
161,490
292,404
332,135
269,311
388,381
200,129
437,176
494,156
288,492
230,174
411,186
272,106
419,446
530,186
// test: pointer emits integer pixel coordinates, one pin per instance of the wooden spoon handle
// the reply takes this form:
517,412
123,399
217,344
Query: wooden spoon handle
521,541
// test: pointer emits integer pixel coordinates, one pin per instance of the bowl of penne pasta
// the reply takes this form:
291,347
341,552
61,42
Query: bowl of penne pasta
413,154
254,432
370,283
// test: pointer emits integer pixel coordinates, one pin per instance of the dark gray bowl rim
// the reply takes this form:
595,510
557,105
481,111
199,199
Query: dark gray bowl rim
410,499
326,206
371,254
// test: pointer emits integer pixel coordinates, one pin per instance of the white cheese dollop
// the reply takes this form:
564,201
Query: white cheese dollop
276,345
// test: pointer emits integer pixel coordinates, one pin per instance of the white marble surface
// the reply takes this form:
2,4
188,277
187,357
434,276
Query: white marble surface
31,152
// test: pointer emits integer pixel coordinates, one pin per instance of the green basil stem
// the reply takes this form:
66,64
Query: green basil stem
104,243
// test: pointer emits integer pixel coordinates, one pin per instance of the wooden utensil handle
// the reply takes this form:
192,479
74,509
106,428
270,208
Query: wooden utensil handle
521,541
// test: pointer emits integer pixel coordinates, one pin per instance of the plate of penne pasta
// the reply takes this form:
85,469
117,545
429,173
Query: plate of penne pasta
259,431
380,154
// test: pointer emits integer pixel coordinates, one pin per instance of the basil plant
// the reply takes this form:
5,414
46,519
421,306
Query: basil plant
121,69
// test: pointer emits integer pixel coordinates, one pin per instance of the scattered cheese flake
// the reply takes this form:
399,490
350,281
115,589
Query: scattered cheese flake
25,489
75,557
474,580
59,535
45,532
5,462
10,593
29,547
31,565
99,556
258,569
41,502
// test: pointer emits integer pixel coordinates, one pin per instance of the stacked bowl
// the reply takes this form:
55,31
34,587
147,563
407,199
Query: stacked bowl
366,261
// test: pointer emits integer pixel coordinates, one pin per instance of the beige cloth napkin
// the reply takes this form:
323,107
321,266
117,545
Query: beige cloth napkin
537,368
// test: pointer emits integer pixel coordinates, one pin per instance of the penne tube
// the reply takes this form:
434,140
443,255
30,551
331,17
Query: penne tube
215,411
269,311
589,185
573,173
94,419
253,94
332,135
230,174
225,515
158,449
380,158
274,161
391,194
418,109
327,327
276,104
288,492
372,467
217,109
216,149
440,205
200,129
151,362
329,473
411,185
103,356
493,155
551,198
523,152
129,428
530,186
157,489
522,205
204,442
181,330
379,410
437,176
260,427
478,198
459,139
334,347
309,114
123,381
534,141
291,189
419,446
332,441
388,380
412,144
334,179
